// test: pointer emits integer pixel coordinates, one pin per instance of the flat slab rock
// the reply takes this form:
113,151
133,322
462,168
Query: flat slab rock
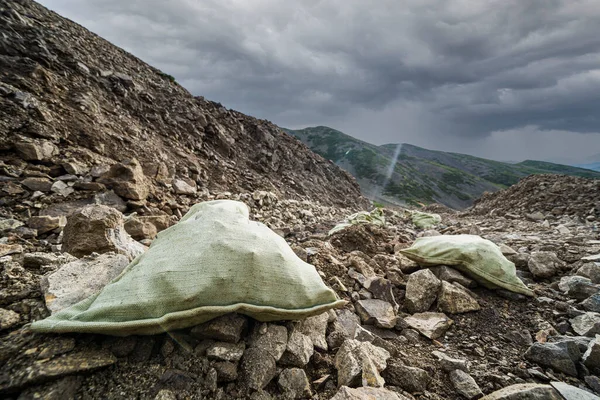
429,324
367,393
44,369
80,279
571,392
526,391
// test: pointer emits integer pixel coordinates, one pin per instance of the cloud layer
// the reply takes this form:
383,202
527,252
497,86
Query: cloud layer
493,77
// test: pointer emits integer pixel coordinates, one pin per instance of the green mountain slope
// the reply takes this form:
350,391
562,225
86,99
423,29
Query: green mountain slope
406,174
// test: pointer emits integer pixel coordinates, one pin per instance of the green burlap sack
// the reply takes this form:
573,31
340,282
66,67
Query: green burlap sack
374,217
424,220
214,261
478,258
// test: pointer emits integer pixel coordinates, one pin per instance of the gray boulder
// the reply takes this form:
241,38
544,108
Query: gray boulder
421,291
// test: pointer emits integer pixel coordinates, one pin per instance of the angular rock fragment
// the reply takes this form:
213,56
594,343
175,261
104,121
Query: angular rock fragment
453,299
578,287
465,384
421,291
37,150
98,229
410,379
376,312
182,187
366,393
44,223
80,279
127,180
294,384
570,392
8,319
227,328
544,264
449,364
257,368
270,338
429,324
359,363
587,324
449,274
560,356
298,351
315,328
591,358
224,351
525,391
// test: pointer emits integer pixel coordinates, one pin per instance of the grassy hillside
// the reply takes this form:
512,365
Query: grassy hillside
406,174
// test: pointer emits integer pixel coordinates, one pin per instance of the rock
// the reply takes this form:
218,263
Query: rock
139,229
591,358
39,259
63,388
61,188
98,229
127,180
8,319
408,378
257,368
448,274
182,187
294,384
525,391
587,324
165,394
227,328
270,338
382,289
111,199
72,363
36,151
45,223
9,224
544,264
223,351
366,393
578,287
590,270
535,216
453,299
571,392
560,356
593,382
465,384
421,291
376,312
449,364
315,328
429,324
37,184
359,363
226,371
8,249
592,303
298,351
80,279
521,338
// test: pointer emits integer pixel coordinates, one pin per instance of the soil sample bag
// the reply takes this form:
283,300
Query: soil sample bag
478,258
213,262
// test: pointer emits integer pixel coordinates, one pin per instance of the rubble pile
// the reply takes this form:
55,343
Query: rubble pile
539,196
99,155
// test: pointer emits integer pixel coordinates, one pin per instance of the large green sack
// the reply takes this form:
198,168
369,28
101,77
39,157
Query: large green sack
214,261
478,258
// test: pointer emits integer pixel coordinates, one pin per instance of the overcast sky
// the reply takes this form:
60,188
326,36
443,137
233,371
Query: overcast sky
502,79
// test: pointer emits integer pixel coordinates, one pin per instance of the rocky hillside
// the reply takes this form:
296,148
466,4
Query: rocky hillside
421,176
407,332
82,120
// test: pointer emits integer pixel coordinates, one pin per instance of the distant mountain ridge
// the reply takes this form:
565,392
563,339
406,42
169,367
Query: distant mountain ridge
407,174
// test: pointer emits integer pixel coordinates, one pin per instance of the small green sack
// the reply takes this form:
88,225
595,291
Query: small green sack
424,220
213,262
478,258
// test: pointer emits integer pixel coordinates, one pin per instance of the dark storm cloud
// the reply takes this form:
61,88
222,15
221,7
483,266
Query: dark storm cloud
457,75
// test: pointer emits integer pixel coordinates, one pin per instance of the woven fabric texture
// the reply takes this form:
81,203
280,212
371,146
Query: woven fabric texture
478,258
